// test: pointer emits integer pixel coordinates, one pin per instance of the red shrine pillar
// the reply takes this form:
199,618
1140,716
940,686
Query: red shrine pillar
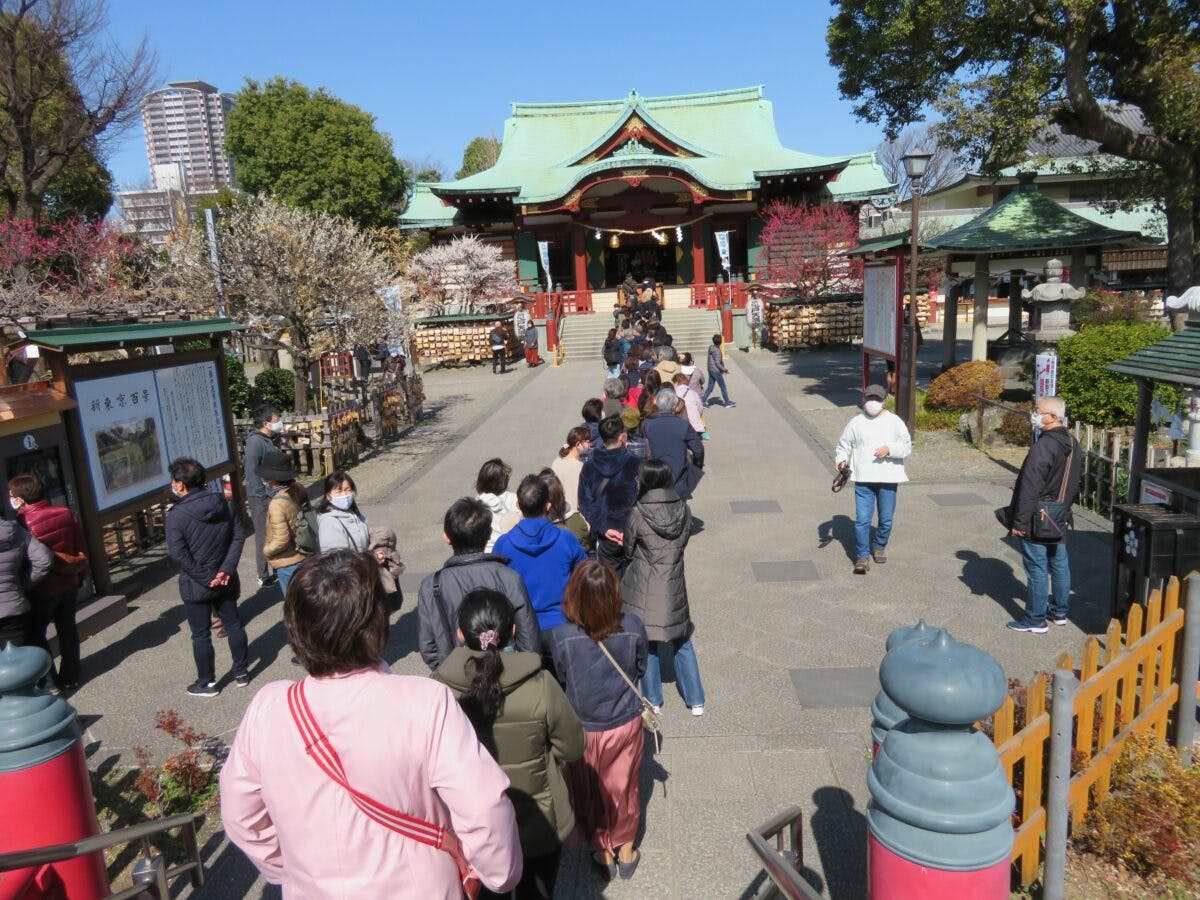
578,239
699,236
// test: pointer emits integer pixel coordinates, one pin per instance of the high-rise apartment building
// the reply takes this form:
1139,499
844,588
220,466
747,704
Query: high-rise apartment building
185,124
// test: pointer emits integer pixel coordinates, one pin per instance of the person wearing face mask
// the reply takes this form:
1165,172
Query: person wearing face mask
873,446
1051,467
340,524
263,440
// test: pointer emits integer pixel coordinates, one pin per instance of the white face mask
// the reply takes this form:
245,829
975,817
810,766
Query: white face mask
277,426
873,407
15,502
1035,419
343,502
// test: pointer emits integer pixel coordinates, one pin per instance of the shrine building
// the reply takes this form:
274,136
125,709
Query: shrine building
640,185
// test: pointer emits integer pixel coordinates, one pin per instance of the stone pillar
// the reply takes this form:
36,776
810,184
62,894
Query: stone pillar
983,282
950,324
1014,299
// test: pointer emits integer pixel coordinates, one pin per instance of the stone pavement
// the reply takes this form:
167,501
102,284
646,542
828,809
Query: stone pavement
788,639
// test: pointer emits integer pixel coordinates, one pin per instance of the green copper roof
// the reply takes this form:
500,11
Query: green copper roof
1025,220
1173,360
727,139
883,242
146,332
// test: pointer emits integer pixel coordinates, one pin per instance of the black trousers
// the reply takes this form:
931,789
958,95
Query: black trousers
537,881
258,515
498,360
611,554
17,630
61,611
199,619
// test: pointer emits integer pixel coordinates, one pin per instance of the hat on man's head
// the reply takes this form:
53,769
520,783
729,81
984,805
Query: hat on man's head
277,466
877,391
668,369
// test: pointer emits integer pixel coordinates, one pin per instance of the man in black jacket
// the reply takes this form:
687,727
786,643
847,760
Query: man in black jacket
1051,469
467,526
205,538
670,438
262,440
608,489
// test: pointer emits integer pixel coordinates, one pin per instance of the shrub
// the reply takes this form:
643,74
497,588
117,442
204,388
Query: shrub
186,781
1150,823
1106,307
239,386
1094,394
1014,426
959,388
277,387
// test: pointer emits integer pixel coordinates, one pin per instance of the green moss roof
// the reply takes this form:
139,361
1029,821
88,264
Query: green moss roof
1026,220
142,333
728,140
1173,360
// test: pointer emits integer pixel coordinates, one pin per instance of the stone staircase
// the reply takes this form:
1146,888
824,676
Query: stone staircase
583,336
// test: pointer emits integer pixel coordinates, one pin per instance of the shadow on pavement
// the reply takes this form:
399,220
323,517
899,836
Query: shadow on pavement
402,634
841,529
840,833
152,633
229,875
989,577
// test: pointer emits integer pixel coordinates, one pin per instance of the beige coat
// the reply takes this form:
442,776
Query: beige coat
279,543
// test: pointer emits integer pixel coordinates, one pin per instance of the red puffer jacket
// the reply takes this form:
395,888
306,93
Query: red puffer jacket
59,529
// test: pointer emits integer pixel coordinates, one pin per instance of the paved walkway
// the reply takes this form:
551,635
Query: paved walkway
787,637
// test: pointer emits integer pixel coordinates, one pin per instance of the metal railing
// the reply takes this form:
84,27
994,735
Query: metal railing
150,874
783,862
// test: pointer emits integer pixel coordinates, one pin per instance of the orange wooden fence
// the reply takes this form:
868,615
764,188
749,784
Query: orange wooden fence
1129,684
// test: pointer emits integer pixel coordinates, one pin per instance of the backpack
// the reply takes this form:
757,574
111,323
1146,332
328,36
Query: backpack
612,352
307,531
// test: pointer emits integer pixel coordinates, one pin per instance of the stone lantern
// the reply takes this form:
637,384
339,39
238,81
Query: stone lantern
1052,305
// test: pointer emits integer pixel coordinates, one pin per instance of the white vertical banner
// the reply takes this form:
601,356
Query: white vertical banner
544,253
1045,381
723,248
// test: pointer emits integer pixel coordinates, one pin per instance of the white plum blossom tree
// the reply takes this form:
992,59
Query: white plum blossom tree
460,276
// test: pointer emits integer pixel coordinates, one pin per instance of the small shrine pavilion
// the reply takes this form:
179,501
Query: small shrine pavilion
637,186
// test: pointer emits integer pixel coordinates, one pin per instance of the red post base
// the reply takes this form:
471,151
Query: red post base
727,325
50,804
890,877
551,334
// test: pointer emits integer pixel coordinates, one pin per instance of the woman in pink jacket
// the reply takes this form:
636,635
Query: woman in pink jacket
401,741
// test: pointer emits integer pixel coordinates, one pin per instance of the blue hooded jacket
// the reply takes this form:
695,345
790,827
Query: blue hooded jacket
544,555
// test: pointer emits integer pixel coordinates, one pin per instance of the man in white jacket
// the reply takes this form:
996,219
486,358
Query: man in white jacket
874,445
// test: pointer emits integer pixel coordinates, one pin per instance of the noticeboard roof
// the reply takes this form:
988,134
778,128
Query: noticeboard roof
143,333
1173,360
21,401
463,318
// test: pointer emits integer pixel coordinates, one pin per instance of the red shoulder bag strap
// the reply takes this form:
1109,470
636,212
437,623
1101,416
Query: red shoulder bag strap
321,751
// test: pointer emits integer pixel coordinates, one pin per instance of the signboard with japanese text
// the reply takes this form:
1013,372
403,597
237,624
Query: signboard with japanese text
881,298
1045,381
134,424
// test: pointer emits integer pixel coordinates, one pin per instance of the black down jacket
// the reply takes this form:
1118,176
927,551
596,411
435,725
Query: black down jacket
204,537
654,588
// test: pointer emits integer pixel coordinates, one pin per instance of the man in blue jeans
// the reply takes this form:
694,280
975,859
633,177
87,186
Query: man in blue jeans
716,373
873,445
1051,469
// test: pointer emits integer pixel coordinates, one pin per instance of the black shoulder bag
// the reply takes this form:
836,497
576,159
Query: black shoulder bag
1050,517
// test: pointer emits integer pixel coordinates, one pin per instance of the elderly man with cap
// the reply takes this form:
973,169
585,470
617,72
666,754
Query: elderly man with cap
873,446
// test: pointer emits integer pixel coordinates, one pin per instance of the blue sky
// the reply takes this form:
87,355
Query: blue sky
436,74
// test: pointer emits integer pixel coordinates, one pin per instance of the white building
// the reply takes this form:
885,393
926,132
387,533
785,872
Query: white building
185,124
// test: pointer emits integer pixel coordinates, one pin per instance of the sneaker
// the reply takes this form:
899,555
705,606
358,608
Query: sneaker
200,688
860,566
698,710
704,435
1059,620
1026,625
268,581
241,680
878,555
730,404
657,709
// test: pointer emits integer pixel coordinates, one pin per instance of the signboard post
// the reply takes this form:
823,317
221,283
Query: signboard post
881,314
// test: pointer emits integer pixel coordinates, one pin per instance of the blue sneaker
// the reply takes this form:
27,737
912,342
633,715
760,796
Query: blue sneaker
1026,625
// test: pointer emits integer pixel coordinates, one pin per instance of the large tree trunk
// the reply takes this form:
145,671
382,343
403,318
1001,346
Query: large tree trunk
1181,251
300,367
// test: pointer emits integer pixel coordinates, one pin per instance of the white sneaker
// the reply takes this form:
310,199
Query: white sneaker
698,710
657,709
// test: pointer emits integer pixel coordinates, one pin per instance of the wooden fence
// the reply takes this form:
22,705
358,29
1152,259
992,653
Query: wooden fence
1129,684
1104,469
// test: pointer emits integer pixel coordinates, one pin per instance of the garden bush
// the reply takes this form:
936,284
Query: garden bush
277,387
1106,307
1014,426
959,388
239,386
1150,823
1095,395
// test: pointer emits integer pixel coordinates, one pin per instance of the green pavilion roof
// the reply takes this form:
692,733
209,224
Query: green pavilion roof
883,242
142,333
726,141
1027,220
1173,360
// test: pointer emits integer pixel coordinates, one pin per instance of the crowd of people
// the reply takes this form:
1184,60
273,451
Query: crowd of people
544,632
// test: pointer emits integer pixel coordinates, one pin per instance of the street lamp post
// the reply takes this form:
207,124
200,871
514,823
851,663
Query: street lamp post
915,165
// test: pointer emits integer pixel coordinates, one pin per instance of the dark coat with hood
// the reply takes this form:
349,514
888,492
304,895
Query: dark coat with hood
1041,477
653,587
535,732
608,508
544,555
461,574
205,537
24,561
671,438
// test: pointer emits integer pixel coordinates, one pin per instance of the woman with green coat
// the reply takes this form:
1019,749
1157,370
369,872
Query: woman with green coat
524,719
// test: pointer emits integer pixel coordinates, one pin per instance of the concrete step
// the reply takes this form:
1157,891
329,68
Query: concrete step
692,330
